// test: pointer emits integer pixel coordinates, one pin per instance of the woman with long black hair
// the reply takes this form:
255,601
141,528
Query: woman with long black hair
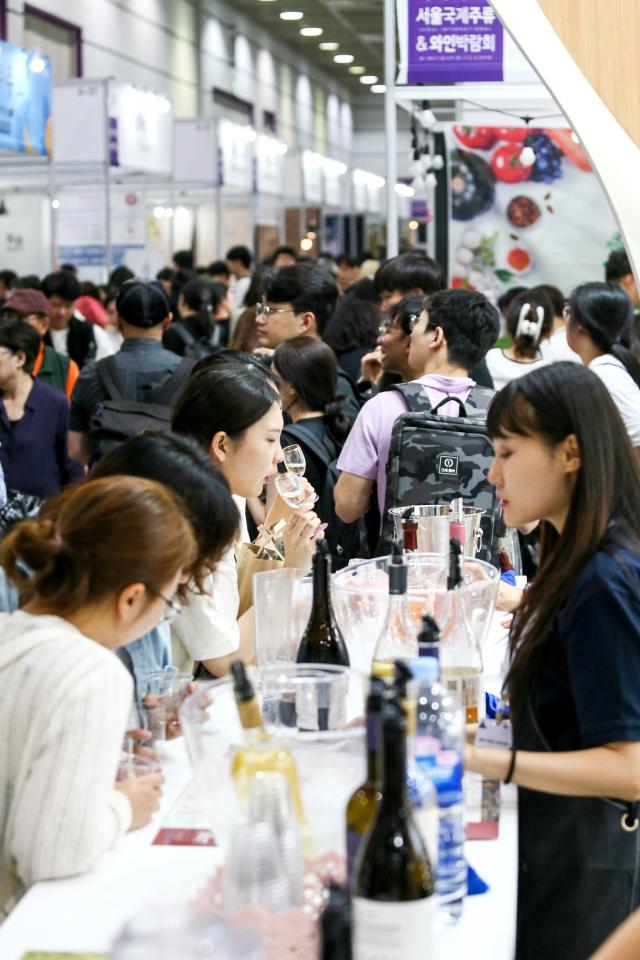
600,325
563,456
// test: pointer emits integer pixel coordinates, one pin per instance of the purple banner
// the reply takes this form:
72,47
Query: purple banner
453,42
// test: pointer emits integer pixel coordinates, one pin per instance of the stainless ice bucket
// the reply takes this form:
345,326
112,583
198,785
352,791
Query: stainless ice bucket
434,527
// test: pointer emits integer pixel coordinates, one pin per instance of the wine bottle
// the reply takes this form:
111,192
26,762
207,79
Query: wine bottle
322,641
393,888
335,925
259,754
397,640
363,802
460,652
409,532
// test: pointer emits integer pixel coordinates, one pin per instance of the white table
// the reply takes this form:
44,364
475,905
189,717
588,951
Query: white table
85,913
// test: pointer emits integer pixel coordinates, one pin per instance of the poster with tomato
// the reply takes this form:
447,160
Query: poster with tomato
526,208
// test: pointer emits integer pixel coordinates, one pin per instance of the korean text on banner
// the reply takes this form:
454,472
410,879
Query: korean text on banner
452,42
25,101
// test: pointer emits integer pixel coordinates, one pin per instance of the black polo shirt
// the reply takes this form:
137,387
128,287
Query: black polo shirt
143,366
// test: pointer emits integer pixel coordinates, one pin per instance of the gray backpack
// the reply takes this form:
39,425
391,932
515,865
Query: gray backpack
433,459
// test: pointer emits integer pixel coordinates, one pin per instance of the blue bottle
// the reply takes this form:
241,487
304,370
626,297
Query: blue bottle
439,747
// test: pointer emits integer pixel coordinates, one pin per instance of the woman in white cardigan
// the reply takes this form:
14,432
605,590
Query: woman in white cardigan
100,566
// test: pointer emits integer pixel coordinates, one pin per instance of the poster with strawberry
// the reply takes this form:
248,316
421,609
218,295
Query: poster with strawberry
526,208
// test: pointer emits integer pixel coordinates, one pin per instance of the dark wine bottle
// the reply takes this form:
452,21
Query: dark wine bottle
335,925
363,802
322,641
393,889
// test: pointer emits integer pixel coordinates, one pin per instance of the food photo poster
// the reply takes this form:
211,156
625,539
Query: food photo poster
526,208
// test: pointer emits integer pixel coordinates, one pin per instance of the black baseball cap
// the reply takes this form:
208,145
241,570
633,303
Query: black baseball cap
142,303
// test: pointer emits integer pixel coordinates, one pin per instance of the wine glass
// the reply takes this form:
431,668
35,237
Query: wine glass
291,489
294,459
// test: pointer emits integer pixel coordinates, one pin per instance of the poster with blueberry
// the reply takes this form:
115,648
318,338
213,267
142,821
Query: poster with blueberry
526,208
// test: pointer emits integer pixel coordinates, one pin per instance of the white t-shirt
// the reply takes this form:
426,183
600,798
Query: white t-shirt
624,391
104,345
239,292
503,370
556,347
208,628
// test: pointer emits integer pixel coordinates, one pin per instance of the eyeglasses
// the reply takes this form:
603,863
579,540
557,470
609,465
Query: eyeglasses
263,310
391,324
174,609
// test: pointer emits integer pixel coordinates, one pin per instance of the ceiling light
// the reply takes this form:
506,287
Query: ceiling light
404,190
413,224
291,15
328,45
356,71
158,212
343,58
311,32
55,204
368,80
306,244
378,88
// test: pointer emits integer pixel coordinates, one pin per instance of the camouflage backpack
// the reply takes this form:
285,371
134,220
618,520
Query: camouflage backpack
433,459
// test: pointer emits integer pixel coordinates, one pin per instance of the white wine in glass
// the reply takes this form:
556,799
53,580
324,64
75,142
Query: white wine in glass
294,459
291,489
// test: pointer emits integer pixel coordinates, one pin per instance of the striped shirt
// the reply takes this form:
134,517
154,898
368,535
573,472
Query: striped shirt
64,706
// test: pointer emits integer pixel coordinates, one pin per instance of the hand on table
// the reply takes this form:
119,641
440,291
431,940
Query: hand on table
144,795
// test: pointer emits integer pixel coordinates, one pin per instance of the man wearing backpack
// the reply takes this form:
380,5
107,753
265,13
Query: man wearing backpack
141,375
451,336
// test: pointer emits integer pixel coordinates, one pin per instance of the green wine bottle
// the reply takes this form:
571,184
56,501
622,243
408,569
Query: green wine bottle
394,905
322,641
363,802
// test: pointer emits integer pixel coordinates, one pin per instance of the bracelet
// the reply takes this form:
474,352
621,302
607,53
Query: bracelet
512,766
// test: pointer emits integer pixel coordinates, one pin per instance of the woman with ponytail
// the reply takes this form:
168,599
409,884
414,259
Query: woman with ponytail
197,304
308,372
600,325
64,698
529,319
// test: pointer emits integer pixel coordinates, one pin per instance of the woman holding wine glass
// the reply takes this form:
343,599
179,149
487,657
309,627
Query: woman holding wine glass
562,455
232,408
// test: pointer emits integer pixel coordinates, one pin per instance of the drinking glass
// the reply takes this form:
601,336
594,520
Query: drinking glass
254,874
277,638
291,489
294,459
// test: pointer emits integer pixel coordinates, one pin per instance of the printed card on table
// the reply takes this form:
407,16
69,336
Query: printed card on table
185,823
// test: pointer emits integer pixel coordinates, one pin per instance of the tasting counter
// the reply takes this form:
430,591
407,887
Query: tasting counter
85,913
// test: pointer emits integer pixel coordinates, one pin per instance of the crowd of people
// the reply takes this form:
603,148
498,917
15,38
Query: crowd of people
161,408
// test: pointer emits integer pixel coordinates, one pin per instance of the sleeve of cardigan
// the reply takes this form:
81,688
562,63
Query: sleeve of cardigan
68,812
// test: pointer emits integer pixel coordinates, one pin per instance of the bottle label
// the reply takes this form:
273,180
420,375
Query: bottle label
444,767
393,931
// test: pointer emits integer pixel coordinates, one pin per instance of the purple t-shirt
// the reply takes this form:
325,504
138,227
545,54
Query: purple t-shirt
366,450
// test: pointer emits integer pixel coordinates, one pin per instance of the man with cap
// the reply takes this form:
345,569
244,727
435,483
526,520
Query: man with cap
142,365
53,368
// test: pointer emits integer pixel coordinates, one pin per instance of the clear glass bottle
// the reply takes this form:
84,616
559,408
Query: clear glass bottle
460,653
259,753
397,640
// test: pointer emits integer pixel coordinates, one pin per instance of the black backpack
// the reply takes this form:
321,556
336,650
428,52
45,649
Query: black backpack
119,417
346,540
433,459
195,348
